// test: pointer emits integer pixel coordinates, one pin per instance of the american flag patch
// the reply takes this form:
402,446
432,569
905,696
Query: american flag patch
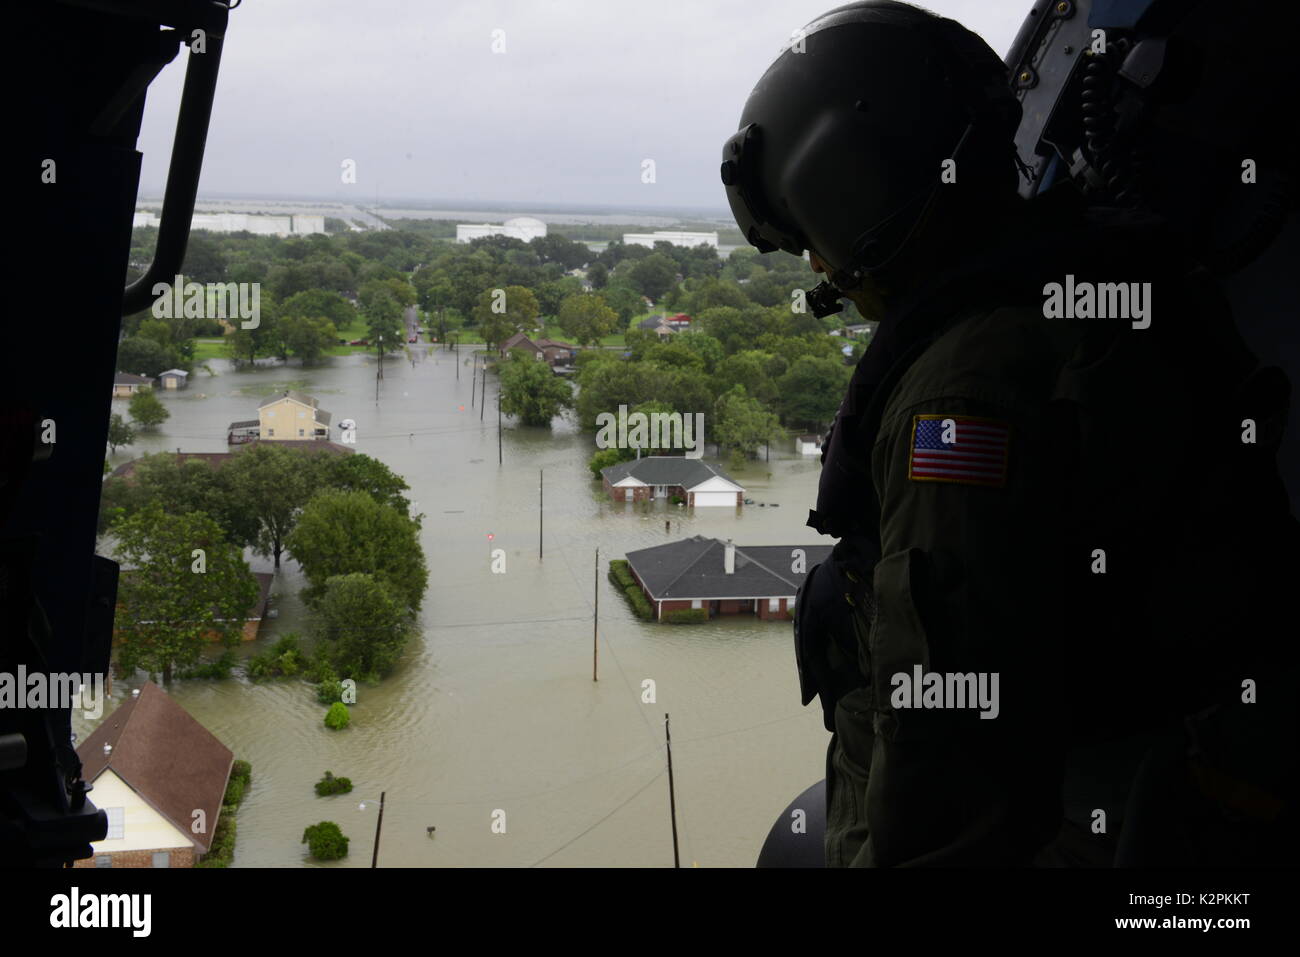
959,448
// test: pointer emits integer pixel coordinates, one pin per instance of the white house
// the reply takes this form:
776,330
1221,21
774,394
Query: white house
157,773
695,482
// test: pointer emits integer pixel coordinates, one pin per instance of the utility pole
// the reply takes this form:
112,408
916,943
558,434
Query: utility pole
540,493
672,798
482,398
595,614
374,860
473,384
498,424
457,355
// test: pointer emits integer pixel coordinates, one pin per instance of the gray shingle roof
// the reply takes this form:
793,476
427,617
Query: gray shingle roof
245,424
666,470
127,378
693,568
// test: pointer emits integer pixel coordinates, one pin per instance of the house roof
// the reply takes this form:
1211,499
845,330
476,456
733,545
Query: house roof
256,611
179,372
215,459
694,568
292,394
651,322
166,757
126,378
666,470
518,340
245,424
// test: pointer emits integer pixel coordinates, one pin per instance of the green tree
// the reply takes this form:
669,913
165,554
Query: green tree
185,583
500,313
264,339
329,784
740,422
810,392
674,353
551,295
705,346
343,532
139,355
119,432
597,275
748,369
653,276
624,300
308,337
586,318
325,841
382,302
337,717
604,458
147,410
272,485
180,485
530,390
320,302
362,626
361,473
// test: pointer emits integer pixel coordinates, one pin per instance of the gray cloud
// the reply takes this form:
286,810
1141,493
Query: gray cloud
414,94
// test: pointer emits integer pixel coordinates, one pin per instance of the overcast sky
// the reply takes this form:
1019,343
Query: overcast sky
413,92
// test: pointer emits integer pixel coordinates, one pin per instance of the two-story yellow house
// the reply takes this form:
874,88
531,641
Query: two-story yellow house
292,415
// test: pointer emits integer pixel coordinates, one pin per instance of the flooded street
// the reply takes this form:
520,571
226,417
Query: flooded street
493,707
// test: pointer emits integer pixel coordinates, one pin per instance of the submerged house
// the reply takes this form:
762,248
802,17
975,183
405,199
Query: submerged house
560,356
723,578
292,415
251,621
693,481
161,778
126,385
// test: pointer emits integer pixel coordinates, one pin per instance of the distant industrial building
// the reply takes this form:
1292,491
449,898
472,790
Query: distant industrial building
689,240
521,227
294,225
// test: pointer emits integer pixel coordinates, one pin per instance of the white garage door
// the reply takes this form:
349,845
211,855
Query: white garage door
703,499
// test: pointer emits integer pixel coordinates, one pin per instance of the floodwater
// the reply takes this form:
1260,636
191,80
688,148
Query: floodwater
494,708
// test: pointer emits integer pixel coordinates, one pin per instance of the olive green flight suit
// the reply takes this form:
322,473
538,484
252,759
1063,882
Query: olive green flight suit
1078,434
966,583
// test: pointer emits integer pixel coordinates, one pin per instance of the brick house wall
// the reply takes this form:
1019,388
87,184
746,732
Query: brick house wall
180,857
782,612
634,494
683,604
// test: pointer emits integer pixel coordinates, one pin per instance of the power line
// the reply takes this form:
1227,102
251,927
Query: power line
583,833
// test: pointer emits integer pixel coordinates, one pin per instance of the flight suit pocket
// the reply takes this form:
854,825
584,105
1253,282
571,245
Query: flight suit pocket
896,642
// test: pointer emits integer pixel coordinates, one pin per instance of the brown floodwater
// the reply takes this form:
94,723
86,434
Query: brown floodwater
493,709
